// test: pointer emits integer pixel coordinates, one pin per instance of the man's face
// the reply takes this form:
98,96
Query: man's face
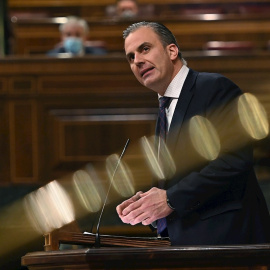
127,5
73,30
150,62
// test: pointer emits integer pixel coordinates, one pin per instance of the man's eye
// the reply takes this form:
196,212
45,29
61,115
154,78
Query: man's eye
131,58
146,49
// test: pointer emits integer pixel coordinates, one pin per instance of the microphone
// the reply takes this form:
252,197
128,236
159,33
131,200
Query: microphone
97,239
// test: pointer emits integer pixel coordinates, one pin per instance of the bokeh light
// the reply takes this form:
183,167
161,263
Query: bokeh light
161,162
253,116
87,191
120,176
49,207
204,137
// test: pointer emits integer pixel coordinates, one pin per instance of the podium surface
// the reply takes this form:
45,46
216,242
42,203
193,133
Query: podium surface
178,257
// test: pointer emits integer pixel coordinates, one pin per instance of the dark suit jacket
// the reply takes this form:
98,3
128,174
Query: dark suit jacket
218,201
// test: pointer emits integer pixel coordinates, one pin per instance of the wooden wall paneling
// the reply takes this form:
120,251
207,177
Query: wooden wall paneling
88,87
48,111
49,149
4,143
228,62
247,71
23,141
94,84
193,34
37,38
81,136
22,85
3,86
52,3
94,137
4,133
259,88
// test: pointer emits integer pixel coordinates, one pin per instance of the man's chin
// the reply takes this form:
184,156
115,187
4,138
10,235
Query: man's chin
153,86
147,82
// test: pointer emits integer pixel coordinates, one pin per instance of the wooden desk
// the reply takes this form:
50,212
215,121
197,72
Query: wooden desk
36,36
195,258
49,3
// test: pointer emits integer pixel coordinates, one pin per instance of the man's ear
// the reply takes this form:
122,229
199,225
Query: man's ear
173,51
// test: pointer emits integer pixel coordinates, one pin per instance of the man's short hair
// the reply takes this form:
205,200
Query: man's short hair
75,21
165,35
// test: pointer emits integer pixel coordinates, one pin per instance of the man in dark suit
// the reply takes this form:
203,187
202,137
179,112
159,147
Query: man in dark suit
205,202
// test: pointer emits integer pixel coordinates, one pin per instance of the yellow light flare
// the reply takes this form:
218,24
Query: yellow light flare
49,207
166,160
86,191
204,137
16,230
122,178
253,116
151,155
161,163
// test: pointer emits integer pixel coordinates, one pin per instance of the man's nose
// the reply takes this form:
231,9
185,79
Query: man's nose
138,59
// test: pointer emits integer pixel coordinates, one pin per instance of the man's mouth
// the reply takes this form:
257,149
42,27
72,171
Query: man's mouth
145,71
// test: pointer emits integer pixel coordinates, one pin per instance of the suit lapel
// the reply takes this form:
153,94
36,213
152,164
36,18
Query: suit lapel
180,110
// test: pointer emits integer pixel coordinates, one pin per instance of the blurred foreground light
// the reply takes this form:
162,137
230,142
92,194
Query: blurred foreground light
122,179
86,191
253,116
162,163
204,137
49,208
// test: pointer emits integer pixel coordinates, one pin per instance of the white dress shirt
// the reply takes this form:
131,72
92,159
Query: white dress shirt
173,91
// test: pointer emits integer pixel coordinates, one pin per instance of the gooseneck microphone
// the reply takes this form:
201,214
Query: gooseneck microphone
97,239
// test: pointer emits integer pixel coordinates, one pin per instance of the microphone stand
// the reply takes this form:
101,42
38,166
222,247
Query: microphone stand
97,238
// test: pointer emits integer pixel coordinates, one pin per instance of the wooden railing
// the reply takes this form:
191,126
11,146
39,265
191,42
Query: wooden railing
37,36
50,3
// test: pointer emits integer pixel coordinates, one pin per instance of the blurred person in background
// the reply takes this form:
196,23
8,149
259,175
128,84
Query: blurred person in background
127,8
74,34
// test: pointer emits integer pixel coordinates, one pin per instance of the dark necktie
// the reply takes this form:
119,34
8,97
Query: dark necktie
164,102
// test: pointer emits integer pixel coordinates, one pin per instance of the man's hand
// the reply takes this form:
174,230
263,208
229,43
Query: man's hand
121,207
145,207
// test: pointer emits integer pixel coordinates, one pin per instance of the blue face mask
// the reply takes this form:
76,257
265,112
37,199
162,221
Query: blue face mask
128,14
73,45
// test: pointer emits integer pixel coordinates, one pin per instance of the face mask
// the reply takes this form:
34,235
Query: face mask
128,14
73,45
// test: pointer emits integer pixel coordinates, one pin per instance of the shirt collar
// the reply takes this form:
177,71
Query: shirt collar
175,87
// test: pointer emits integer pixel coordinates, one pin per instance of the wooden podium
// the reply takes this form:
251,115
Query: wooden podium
122,252
189,257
